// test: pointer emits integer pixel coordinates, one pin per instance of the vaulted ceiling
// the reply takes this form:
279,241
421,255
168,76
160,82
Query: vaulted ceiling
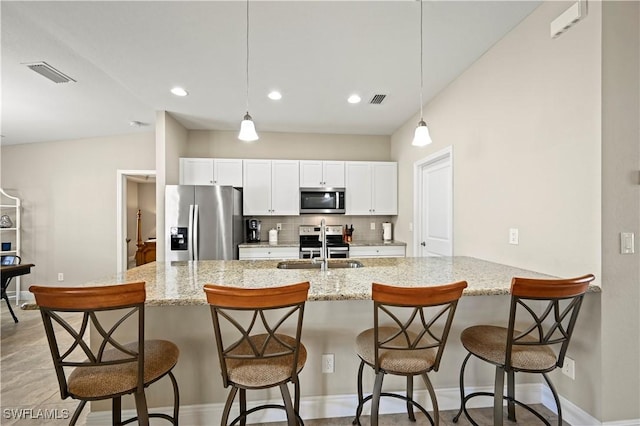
125,56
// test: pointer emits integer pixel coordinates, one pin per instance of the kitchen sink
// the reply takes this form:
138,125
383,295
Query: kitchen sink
332,264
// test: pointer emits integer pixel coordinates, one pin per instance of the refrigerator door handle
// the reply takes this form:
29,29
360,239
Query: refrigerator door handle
196,232
190,233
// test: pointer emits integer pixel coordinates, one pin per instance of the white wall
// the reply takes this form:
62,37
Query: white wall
68,190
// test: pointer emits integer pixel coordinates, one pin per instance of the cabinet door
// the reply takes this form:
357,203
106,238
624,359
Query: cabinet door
384,188
358,187
333,173
285,188
311,174
256,197
196,171
227,172
377,251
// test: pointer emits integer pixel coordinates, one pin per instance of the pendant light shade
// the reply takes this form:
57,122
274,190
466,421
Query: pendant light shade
421,137
247,129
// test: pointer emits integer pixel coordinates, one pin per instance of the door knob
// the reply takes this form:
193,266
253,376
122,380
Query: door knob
423,244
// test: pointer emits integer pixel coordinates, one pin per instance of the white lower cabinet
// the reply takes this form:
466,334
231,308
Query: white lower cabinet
377,251
266,253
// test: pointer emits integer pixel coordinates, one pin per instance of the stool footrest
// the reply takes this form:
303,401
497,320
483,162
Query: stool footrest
265,407
356,421
463,408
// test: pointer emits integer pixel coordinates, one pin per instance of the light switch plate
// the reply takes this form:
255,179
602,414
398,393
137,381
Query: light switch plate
513,236
627,243
373,226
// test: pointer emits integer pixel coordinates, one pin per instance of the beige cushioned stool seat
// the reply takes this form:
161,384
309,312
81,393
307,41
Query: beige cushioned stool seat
95,382
396,361
264,371
489,342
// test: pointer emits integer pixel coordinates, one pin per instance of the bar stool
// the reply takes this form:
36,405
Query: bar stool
253,350
113,368
411,326
545,312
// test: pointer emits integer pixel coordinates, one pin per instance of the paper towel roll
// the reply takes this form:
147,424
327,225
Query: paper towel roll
386,231
273,236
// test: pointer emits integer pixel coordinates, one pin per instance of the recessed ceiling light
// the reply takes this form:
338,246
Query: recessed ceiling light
275,95
354,99
179,91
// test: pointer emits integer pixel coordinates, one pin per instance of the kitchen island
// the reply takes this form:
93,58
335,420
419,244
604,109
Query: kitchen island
339,309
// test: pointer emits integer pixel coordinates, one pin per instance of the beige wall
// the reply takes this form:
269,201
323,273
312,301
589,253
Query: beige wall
524,125
620,209
295,146
68,191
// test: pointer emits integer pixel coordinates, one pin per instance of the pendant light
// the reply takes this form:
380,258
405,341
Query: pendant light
247,128
421,137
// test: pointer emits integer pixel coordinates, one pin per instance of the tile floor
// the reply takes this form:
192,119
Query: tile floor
28,382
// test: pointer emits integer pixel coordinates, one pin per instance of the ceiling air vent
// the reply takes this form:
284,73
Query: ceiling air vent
377,99
46,70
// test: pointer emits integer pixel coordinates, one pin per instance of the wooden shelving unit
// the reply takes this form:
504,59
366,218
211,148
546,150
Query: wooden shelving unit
11,206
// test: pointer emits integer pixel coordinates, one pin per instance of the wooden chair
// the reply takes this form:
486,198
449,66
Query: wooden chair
411,326
112,368
253,349
545,314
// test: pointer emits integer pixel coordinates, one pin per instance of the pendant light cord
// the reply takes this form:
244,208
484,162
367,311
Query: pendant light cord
247,57
421,71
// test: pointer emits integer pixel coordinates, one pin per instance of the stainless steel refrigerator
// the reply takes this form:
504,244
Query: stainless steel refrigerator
202,222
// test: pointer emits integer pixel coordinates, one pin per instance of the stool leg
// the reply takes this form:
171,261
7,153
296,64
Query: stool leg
141,408
511,396
462,403
498,396
434,400
555,396
375,400
356,421
76,413
412,416
176,398
286,397
296,397
227,406
116,411
243,406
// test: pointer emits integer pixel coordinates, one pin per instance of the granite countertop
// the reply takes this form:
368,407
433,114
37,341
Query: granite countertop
180,283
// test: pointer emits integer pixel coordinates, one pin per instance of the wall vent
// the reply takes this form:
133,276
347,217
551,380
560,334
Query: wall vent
49,72
377,99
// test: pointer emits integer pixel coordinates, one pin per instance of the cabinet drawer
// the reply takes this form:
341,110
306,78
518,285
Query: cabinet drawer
377,251
257,253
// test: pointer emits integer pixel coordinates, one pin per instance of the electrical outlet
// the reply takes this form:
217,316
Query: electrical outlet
569,368
373,226
279,226
328,365
513,236
60,276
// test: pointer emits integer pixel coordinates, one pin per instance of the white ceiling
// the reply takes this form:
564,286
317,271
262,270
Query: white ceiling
125,56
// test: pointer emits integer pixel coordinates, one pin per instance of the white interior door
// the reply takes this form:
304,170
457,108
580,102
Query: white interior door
434,205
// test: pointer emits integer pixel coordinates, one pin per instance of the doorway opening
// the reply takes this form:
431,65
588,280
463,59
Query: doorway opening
136,192
433,204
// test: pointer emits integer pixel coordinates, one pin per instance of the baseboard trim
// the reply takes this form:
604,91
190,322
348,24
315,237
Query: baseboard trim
336,406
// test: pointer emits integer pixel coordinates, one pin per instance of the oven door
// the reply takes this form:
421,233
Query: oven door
310,252
341,252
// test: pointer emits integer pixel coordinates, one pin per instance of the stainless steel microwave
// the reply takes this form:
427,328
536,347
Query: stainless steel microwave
321,200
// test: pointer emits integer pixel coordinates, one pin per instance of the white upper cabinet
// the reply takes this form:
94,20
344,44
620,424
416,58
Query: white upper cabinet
271,187
371,188
211,171
321,174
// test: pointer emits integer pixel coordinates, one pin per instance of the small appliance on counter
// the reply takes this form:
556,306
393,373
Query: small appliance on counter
273,237
253,230
387,235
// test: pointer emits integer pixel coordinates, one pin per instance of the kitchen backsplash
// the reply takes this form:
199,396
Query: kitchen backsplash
289,232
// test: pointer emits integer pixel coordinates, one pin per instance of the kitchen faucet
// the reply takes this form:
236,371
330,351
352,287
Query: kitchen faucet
323,238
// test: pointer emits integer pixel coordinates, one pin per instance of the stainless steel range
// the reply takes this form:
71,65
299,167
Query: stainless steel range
311,244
